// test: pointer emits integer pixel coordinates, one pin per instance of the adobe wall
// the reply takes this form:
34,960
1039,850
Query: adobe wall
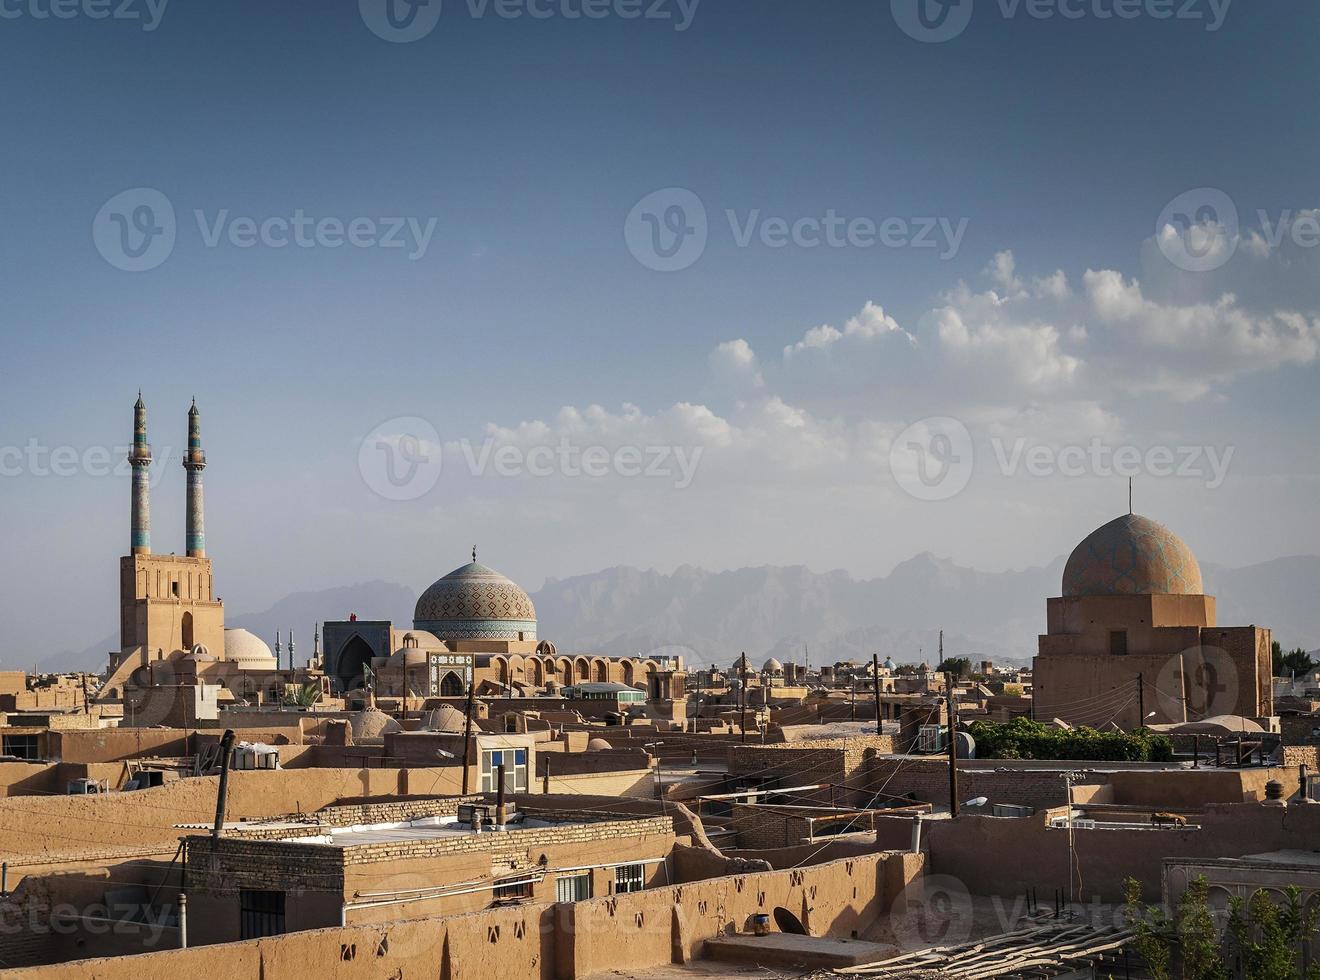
37,828
763,826
667,925
927,779
838,761
1003,856
637,783
636,931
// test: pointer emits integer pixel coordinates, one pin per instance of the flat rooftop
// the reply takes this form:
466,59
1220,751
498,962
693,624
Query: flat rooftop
422,828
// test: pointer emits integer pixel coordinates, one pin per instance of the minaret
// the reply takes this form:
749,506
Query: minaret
194,461
139,457
291,663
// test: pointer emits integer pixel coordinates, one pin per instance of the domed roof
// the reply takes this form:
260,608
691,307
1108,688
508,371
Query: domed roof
371,723
598,745
446,719
772,666
248,649
408,657
200,654
1132,555
476,602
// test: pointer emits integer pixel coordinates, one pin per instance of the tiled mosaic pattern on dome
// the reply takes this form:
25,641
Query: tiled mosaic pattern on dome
1132,555
476,602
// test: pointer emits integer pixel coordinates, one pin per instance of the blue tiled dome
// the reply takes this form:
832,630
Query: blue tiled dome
1132,555
476,602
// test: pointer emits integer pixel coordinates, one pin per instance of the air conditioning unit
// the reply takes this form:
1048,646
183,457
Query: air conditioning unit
932,739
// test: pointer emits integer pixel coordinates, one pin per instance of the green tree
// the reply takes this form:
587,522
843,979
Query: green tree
1296,661
1269,936
1202,954
1023,738
1264,938
1152,932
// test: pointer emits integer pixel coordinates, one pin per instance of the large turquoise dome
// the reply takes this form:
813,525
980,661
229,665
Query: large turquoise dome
475,602
1132,555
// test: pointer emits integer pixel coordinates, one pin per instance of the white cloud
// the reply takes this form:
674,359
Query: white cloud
870,324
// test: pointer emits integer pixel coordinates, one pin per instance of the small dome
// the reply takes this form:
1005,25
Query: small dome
371,723
889,664
446,719
599,745
407,656
1132,555
200,654
249,650
476,602
772,666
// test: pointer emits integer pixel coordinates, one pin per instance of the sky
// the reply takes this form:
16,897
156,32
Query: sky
599,282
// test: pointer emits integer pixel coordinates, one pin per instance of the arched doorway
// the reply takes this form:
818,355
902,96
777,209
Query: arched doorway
354,658
581,670
534,673
187,631
600,671
451,686
628,676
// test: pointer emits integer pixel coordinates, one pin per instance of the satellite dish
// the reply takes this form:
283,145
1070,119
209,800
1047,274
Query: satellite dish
966,746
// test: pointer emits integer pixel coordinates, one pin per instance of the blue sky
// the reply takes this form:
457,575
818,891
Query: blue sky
529,141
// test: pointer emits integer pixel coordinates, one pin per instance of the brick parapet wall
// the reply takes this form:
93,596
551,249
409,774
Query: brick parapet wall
231,863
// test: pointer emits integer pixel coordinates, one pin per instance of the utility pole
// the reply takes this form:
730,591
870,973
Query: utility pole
226,743
742,671
467,735
875,676
853,701
953,745
1067,782
1141,701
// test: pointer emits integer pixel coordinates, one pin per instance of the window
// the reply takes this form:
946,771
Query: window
21,746
512,890
514,762
629,878
573,888
1118,642
260,913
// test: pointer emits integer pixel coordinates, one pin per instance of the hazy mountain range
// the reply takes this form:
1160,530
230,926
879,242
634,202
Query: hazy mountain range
776,611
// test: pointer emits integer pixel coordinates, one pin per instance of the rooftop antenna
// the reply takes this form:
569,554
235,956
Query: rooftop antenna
1129,496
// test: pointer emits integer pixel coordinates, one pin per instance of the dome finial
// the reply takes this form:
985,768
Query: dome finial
1129,496
474,552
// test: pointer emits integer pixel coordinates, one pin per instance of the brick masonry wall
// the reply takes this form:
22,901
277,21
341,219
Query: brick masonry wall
928,780
761,826
230,864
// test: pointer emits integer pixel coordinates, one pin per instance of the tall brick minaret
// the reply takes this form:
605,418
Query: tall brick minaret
194,461
139,457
